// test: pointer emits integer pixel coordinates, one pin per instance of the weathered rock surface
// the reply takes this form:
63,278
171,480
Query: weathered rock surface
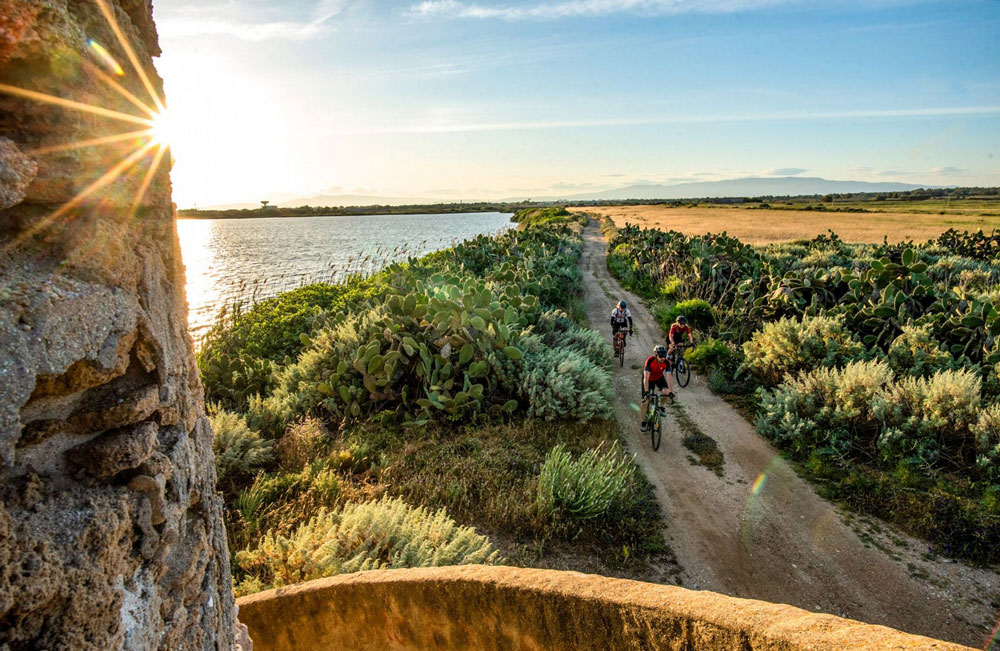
487,607
110,525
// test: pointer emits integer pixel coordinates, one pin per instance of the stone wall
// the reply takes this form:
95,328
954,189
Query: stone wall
481,607
110,526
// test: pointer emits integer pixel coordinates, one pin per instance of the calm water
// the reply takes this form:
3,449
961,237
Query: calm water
251,259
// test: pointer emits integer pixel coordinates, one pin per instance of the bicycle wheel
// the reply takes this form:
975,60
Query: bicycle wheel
683,372
655,431
621,352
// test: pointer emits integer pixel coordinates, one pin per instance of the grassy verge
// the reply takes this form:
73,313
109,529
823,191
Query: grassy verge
484,477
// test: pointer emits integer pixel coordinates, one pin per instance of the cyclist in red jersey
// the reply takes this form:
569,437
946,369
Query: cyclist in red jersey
656,375
678,330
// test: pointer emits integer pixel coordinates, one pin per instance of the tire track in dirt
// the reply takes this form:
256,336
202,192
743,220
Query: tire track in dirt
760,531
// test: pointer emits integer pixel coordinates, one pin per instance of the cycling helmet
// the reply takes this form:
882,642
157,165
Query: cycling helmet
682,320
621,305
660,351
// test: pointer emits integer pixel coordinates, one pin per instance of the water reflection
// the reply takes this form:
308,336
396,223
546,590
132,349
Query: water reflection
249,259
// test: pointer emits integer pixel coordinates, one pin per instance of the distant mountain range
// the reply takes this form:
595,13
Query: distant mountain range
746,187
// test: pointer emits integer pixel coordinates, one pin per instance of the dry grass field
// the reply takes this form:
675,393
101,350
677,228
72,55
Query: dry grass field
757,226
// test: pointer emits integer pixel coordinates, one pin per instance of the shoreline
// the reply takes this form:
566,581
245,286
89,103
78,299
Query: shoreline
382,211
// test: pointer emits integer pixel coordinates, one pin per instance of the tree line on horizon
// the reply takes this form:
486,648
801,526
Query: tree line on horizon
266,210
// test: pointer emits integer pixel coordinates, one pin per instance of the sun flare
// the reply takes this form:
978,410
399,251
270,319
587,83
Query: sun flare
163,129
151,142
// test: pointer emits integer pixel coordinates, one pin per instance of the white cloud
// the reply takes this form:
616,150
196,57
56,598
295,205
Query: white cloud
583,8
229,20
947,170
786,171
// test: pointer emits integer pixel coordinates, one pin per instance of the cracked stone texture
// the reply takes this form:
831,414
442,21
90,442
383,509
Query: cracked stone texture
489,607
111,530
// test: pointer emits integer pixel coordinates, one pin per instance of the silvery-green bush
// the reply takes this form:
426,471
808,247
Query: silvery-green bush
563,383
592,344
825,408
378,534
240,452
787,346
585,487
864,410
929,419
916,352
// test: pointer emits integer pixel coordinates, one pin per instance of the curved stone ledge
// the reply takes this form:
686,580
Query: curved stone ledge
483,607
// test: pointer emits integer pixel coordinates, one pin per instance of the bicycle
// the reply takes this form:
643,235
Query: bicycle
681,370
654,418
619,346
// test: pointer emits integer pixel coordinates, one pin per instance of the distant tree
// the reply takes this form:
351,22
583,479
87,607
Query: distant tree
827,198
263,204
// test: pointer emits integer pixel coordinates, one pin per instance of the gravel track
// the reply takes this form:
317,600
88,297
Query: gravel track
760,531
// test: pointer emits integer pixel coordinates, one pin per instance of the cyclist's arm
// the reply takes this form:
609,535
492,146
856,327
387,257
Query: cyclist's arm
630,322
645,378
690,338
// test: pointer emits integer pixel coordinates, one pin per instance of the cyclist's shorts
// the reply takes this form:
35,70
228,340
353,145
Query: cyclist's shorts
657,384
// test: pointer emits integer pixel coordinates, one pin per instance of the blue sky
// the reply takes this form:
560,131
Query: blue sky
452,99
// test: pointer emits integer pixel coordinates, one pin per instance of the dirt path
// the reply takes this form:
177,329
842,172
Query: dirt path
760,531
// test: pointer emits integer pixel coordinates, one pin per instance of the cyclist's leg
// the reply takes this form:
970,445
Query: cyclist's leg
663,387
645,400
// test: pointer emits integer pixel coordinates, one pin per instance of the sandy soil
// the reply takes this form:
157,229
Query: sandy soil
764,226
781,542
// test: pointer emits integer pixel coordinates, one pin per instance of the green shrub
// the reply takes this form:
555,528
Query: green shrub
698,312
239,354
583,488
382,534
916,352
630,273
590,343
565,384
821,259
930,419
301,443
671,287
987,433
862,411
541,216
709,354
787,346
240,452
825,408
437,351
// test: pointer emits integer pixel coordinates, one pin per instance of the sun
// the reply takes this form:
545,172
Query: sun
152,140
163,129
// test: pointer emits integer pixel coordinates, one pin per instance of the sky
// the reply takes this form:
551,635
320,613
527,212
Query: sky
493,99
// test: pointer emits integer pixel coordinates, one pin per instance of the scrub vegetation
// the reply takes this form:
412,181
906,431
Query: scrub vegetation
451,403
875,366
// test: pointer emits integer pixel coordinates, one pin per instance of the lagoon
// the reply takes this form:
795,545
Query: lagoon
251,259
